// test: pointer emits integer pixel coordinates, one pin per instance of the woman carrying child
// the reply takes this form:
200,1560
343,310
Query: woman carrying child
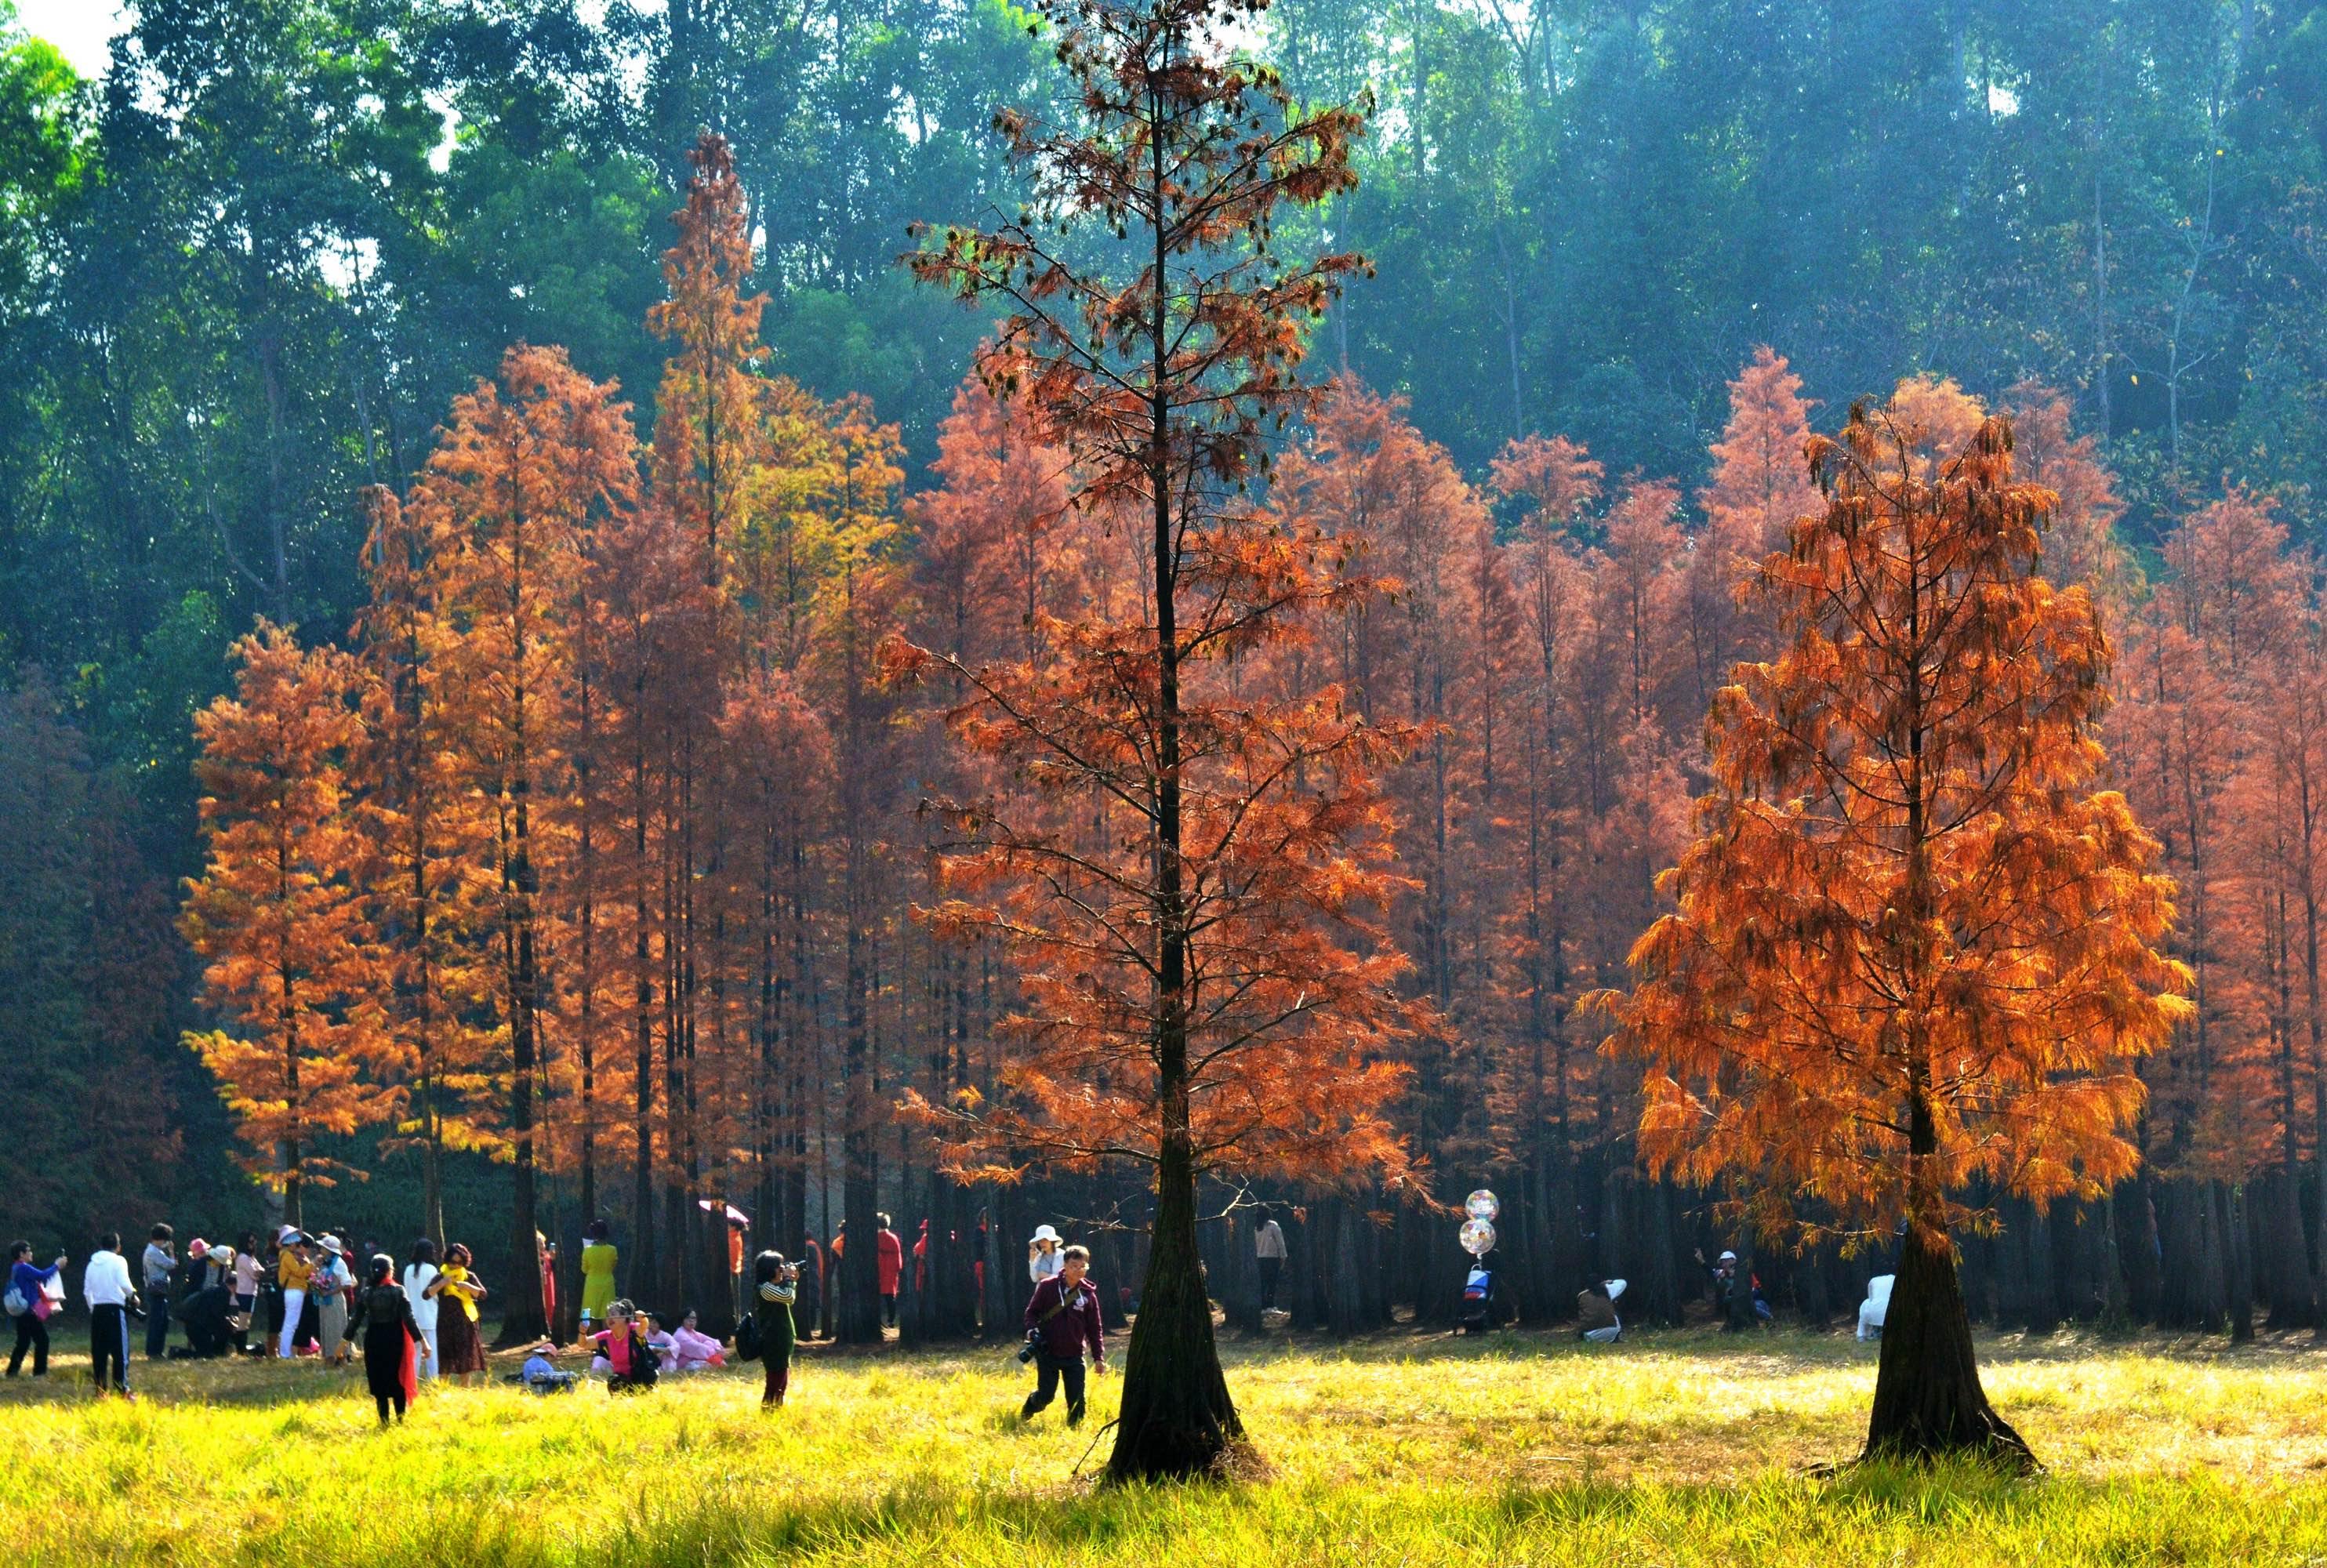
456,1326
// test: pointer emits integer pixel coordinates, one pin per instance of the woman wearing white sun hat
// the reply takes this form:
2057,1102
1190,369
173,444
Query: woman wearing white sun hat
1044,1257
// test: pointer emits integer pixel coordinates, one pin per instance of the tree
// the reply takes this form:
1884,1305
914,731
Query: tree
1194,926
524,471
278,914
1757,490
1913,946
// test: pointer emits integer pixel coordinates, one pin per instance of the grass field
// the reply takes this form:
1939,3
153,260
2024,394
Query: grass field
1678,1450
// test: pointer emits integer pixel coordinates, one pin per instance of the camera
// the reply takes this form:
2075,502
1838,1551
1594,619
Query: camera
1033,1345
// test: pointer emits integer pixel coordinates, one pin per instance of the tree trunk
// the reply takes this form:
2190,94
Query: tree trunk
2040,1301
2281,1263
1177,1419
1927,1399
2230,1201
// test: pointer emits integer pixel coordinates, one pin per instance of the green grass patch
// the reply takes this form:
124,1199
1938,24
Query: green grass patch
1677,1451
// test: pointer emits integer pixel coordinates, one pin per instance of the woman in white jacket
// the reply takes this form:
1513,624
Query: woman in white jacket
1044,1258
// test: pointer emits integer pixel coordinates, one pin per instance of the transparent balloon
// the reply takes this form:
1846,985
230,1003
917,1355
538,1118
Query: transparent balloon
1478,1238
1482,1205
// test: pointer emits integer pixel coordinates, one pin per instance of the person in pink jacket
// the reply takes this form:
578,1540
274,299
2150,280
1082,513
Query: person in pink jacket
692,1349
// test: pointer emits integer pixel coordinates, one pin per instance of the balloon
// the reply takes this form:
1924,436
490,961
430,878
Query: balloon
1481,1205
1478,1238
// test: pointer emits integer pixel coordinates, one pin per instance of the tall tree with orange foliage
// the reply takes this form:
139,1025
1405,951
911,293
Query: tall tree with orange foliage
1913,946
278,914
1758,487
426,902
521,475
708,434
1205,979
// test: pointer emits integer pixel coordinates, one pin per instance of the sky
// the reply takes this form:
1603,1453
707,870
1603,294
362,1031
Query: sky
80,28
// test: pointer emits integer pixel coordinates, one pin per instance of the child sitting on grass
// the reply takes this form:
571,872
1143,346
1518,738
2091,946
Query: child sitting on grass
542,1373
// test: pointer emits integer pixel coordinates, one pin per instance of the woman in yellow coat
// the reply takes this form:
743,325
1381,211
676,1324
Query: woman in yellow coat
598,1258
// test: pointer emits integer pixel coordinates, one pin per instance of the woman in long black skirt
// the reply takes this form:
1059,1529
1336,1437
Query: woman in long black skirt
391,1338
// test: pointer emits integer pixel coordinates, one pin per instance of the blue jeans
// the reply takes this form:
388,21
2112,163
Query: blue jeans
1050,1371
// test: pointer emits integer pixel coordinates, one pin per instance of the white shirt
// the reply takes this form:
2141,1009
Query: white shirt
159,1265
1041,1266
418,1278
104,1283
1268,1241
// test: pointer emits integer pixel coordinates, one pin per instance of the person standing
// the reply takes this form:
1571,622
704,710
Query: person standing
30,1284
736,1226
391,1337
810,1285
1043,1258
423,1283
157,1265
294,1267
104,1286
546,1250
1062,1321
457,1336
598,1260
888,1258
776,1283
1268,1255
330,1286
243,1263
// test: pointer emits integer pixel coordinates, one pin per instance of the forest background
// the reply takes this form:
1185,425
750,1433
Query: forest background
244,276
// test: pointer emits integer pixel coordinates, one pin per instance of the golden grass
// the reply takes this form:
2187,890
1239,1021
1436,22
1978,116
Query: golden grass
1672,1449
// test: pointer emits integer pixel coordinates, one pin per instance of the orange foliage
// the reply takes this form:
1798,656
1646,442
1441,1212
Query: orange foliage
278,916
1914,945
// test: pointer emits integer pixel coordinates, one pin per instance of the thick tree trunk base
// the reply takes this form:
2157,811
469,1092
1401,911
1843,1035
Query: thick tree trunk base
1928,1403
1177,1421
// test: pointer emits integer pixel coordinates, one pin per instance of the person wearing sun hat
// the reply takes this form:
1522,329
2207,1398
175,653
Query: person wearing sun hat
1043,1258
328,1286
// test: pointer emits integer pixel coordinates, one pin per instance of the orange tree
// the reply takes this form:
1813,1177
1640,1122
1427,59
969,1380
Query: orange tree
1188,855
1914,947
277,915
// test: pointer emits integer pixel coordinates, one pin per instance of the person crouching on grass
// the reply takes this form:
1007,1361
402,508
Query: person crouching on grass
623,1354
1062,1321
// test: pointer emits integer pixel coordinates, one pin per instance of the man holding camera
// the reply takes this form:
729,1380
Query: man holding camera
1062,1321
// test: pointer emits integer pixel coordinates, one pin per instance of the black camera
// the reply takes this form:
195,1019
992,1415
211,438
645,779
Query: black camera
1033,1345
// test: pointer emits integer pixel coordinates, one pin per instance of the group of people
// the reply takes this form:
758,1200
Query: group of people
303,1293
423,1319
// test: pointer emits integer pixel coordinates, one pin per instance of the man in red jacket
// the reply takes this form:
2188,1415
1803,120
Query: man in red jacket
1062,1320
892,1266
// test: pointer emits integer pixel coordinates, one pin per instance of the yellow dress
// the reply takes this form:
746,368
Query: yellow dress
597,1280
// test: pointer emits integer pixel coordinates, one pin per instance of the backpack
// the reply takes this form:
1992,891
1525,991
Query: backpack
747,1337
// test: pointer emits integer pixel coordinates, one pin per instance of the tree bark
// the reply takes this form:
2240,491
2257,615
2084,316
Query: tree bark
1177,1419
1927,1399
